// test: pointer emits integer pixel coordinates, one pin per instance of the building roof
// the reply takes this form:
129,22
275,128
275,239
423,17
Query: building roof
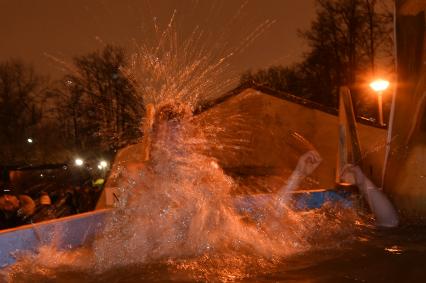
285,96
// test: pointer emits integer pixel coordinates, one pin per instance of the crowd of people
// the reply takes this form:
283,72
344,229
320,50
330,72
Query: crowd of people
45,200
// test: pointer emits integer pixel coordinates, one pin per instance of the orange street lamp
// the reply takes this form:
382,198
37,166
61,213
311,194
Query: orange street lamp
379,86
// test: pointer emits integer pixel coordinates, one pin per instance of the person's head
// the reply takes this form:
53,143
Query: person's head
9,203
45,199
162,124
169,115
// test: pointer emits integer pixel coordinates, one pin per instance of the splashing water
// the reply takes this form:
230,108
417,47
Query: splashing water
178,211
193,69
177,208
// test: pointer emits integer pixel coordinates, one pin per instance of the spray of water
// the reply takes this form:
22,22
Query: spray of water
193,69
178,210
177,207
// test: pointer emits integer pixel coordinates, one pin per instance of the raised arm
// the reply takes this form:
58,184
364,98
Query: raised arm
380,205
307,164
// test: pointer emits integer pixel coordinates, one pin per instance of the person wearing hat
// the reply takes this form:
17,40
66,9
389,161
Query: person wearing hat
45,199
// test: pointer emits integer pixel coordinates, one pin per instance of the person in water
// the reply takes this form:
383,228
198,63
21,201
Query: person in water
383,210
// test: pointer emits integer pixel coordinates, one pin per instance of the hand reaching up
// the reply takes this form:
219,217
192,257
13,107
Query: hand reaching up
382,208
308,162
352,173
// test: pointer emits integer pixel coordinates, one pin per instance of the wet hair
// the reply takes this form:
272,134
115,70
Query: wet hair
171,113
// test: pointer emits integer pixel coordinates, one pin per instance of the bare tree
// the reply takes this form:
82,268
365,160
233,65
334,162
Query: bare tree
19,111
286,79
346,41
101,106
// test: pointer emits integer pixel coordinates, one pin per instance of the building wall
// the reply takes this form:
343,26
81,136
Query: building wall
265,122
250,136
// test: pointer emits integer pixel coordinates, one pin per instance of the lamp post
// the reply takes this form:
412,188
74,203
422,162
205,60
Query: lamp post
379,86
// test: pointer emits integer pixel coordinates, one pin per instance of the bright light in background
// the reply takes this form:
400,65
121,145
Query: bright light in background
379,85
79,162
103,164
30,140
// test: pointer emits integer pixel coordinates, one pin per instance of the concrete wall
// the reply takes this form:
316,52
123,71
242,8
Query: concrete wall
263,123
250,135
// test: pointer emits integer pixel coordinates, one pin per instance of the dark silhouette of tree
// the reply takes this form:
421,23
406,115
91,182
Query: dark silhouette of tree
20,89
286,79
99,105
347,40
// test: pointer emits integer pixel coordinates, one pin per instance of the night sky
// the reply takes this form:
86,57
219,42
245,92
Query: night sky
34,30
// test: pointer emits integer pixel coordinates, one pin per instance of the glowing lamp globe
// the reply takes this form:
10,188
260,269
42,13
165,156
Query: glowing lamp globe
79,162
103,164
379,85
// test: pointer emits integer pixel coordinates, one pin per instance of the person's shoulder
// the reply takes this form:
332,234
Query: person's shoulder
23,196
25,199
